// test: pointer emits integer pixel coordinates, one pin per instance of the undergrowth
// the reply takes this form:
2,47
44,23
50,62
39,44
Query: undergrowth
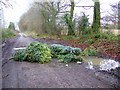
6,34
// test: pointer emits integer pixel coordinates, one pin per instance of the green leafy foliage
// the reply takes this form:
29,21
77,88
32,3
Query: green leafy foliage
66,58
66,50
20,55
35,52
41,53
96,18
38,52
66,54
98,36
56,49
90,51
89,41
67,19
7,33
107,35
84,24
76,51
11,26
69,58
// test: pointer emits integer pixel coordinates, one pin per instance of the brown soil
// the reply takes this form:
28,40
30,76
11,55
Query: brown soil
106,49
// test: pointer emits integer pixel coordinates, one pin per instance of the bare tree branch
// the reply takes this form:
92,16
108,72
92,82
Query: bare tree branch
84,6
6,3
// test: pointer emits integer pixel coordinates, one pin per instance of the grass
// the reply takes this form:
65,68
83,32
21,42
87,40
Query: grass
86,39
7,34
93,38
35,35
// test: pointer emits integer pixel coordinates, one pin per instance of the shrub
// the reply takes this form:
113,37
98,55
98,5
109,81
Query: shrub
20,55
66,58
11,26
35,52
66,50
76,51
56,49
69,58
109,36
7,33
90,51
66,54
38,52
112,37
97,36
89,41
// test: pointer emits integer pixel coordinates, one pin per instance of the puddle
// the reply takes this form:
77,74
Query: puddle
102,64
93,62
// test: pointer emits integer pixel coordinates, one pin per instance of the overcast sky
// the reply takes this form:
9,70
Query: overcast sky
21,6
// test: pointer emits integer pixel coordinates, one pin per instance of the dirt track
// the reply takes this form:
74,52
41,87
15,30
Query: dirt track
50,75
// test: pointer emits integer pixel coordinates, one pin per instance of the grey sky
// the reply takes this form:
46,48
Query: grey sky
21,6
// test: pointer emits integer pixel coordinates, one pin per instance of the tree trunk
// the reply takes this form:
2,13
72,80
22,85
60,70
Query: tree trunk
96,18
71,26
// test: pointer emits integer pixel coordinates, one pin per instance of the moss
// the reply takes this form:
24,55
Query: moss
96,18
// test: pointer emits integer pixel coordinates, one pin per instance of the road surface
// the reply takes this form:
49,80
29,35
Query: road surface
49,75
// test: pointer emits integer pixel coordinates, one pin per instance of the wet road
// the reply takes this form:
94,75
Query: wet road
50,75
